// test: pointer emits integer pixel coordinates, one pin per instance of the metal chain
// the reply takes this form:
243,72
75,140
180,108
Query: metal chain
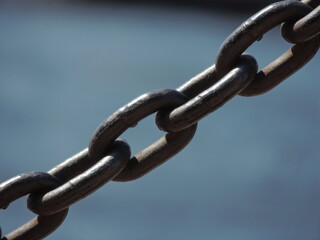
177,112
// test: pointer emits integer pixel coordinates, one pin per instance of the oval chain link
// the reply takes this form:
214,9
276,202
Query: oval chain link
21,185
211,99
84,184
304,29
249,32
178,112
279,70
128,116
253,30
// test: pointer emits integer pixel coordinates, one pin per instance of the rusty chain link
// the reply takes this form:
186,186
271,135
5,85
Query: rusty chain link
177,112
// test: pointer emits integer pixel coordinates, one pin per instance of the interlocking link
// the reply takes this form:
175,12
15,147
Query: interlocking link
304,29
24,184
177,112
156,154
244,36
200,83
38,228
253,30
73,166
211,99
283,67
129,116
84,184
21,185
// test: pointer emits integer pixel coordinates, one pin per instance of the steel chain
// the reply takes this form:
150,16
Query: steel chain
177,113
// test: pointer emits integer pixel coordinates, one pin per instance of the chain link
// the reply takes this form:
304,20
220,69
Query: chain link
302,30
84,184
210,99
177,112
33,182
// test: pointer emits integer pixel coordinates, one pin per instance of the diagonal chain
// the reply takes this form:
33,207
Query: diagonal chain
177,112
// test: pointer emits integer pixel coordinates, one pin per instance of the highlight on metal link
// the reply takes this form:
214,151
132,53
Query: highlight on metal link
177,112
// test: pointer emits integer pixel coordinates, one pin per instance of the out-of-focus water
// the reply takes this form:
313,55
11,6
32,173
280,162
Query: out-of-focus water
251,171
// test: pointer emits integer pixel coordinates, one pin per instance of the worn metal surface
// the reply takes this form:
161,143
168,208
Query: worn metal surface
84,184
73,166
129,116
21,185
211,99
38,228
253,30
24,184
178,111
304,29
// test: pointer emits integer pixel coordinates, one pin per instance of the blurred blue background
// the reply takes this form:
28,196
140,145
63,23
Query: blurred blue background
251,171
